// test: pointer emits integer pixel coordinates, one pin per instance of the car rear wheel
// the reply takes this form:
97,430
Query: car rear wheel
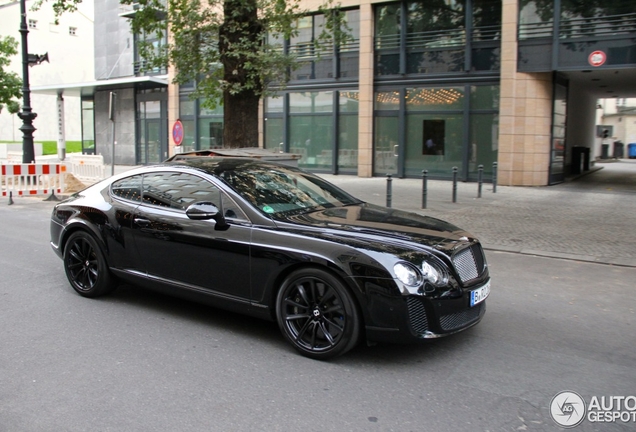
86,267
317,314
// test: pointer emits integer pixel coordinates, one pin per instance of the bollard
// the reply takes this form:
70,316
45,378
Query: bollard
454,184
389,192
10,197
480,179
494,177
424,187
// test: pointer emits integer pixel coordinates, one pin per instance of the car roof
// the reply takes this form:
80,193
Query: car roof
216,165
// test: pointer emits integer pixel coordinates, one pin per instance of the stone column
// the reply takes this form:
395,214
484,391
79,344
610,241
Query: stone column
525,113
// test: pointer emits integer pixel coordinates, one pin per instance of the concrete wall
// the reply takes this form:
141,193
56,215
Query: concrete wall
124,127
581,121
114,45
70,61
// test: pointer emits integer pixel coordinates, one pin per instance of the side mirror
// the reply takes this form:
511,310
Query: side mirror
205,211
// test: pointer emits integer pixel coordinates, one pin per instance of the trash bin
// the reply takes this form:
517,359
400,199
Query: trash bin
580,159
631,151
618,150
605,151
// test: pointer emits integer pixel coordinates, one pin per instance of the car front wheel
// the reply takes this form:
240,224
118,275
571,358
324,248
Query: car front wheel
317,314
86,267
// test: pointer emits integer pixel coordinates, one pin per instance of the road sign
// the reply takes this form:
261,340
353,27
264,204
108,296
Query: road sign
597,58
177,132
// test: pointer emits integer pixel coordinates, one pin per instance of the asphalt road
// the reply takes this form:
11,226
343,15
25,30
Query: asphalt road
139,361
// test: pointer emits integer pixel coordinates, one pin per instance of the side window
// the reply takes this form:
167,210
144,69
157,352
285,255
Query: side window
178,190
128,188
232,211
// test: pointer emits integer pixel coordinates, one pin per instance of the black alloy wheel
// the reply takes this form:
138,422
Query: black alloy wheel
317,314
86,267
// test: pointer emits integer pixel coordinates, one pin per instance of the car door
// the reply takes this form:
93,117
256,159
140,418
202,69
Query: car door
125,197
199,255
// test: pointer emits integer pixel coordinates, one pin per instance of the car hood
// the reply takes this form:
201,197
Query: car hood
380,224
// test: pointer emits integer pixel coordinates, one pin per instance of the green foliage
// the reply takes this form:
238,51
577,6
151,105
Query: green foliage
10,82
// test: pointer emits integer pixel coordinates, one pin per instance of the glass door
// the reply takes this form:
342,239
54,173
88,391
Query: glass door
152,146
557,153
153,141
386,146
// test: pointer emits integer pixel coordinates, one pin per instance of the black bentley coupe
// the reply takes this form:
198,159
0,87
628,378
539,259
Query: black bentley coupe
276,242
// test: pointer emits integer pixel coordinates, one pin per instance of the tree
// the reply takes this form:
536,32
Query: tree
10,82
232,50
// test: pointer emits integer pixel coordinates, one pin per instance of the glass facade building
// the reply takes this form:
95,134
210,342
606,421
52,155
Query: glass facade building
420,85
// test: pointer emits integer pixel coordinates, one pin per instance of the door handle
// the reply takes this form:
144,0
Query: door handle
395,150
142,222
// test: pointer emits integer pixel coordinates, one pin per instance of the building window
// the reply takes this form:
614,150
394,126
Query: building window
311,128
420,37
274,112
610,18
202,126
72,31
143,66
322,128
536,19
33,24
328,59
347,139
425,128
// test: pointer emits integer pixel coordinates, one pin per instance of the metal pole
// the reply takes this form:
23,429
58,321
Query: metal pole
424,187
27,115
480,179
389,192
454,184
494,177
111,115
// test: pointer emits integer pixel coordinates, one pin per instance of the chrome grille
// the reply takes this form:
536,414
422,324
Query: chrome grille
460,319
417,315
469,263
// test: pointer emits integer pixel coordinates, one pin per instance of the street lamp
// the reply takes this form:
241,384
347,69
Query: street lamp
27,115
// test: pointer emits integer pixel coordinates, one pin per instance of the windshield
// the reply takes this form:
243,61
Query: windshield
278,190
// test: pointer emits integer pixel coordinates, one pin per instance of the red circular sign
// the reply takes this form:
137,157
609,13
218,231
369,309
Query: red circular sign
177,133
597,58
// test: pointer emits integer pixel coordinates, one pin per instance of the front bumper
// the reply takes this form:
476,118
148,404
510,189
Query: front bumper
418,318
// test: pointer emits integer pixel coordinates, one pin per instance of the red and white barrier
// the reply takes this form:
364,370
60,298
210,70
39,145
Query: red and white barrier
32,179
88,168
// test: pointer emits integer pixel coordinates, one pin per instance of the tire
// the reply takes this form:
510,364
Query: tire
85,266
317,314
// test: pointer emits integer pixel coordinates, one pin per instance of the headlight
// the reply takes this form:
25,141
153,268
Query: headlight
408,274
434,274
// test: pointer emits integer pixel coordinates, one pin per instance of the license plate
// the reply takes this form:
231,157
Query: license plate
479,295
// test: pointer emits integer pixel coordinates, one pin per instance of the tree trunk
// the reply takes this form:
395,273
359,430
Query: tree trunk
240,107
240,120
